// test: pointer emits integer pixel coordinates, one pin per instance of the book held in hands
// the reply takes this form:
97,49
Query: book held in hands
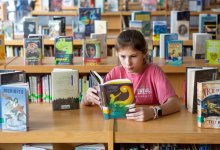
116,96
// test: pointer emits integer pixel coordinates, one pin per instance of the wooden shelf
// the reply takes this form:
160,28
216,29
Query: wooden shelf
180,128
54,13
48,65
185,43
85,125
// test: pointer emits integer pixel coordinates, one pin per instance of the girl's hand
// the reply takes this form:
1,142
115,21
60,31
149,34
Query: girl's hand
140,114
91,96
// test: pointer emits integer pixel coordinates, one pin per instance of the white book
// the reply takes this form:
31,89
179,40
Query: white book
100,26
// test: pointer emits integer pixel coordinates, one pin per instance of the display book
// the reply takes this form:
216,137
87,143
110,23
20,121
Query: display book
174,52
14,101
65,89
91,52
212,53
208,95
63,50
116,96
159,27
194,75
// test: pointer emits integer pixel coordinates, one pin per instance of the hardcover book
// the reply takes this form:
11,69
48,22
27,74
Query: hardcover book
159,27
113,5
79,29
91,52
41,38
88,15
55,5
29,28
54,28
33,51
14,101
62,24
116,96
164,38
11,76
174,54
103,43
139,25
63,50
100,26
208,104
145,16
212,54
194,75
65,89
8,29
199,44
206,18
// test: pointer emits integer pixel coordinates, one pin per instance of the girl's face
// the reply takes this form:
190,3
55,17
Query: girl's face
132,60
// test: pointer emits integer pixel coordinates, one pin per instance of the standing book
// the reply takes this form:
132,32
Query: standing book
65,89
208,104
92,52
14,103
194,75
2,50
174,52
63,50
116,96
159,27
212,53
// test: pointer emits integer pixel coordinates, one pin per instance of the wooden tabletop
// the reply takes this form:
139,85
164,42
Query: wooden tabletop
180,127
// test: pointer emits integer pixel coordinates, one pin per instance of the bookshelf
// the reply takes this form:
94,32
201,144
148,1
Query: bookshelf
65,129
176,74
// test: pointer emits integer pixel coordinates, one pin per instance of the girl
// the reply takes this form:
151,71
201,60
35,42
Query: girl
151,86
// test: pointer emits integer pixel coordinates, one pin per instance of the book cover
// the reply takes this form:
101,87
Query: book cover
11,76
63,50
65,89
14,99
29,28
145,16
206,18
103,43
164,38
32,51
91,52
2,49
113,5
84,3
100,4
174,54
100,26
212,54
62,24
41,38
8,29
159,27
55,5
54,28
88,15
117,96
208,104
199,44
139,25
211,28
194,75
79,29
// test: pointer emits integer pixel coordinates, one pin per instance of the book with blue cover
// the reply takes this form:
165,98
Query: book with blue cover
14,106
159,27
174,53
88,15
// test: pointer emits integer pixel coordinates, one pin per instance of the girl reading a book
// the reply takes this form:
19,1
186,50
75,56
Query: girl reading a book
150,84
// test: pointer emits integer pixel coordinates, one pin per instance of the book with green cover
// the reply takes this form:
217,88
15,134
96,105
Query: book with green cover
212,54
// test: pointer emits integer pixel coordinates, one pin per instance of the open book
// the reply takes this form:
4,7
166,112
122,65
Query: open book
116,96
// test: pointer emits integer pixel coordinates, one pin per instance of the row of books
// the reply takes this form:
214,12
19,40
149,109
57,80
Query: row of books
202,94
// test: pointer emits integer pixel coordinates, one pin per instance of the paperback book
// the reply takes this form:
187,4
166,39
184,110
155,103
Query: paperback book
116,96
159,27
212,54
174,53
33,51
91,52
14,106
208,104
63,50
79,28
65,89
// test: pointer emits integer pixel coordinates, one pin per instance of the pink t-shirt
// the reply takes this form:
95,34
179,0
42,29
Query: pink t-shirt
150,87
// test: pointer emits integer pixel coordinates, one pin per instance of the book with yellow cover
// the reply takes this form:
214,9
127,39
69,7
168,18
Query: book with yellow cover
2,49
116,96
